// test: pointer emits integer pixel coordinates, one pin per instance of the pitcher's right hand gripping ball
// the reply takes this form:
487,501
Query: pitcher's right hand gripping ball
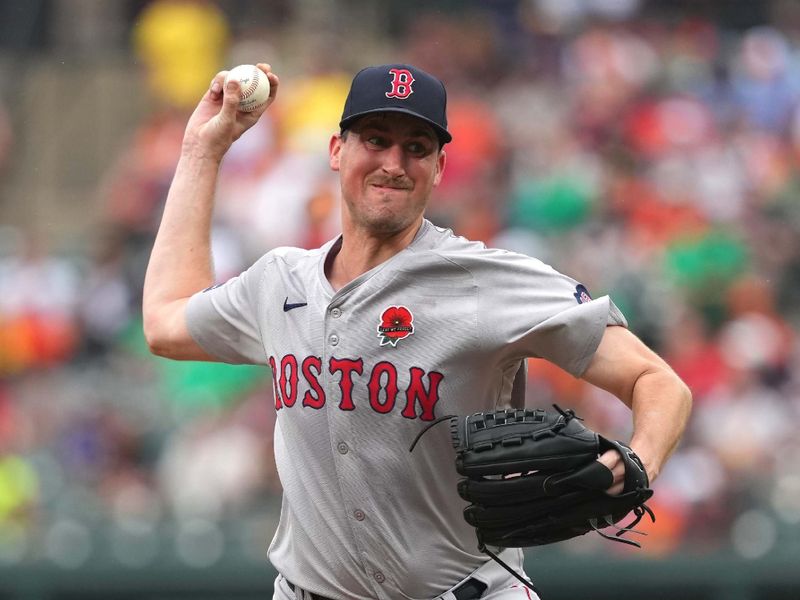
532,478
217,121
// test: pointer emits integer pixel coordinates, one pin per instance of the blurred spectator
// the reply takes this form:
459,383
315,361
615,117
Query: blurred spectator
135,187
38,303
182,44
215,466
764,87
19,486
106,305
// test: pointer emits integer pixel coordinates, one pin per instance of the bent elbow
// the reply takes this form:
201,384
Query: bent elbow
680,390
157,334
166,333
154,338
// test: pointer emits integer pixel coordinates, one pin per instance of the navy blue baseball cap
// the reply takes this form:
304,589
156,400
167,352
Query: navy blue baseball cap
397,88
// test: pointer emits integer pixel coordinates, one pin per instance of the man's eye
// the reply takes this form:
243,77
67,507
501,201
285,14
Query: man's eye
376,140
417,148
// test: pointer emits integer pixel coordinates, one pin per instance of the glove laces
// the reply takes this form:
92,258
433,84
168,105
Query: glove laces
527,583
427,428
639,512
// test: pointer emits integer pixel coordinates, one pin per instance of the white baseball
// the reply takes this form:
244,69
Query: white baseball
253,86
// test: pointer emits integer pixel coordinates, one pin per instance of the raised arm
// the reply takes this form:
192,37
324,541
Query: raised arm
660,401
181,263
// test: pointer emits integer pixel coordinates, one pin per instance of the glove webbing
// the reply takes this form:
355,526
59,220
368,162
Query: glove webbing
567,416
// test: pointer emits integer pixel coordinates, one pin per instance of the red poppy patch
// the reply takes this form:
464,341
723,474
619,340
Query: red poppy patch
396,324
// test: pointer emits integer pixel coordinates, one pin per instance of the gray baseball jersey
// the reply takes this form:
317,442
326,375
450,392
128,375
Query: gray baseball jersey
440,328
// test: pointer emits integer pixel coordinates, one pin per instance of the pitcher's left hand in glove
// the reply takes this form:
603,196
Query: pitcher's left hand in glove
532,477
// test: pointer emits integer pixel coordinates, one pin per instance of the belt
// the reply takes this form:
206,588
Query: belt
471,589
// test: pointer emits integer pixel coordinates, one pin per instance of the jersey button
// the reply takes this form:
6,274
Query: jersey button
333,339
379,577
342,448
336,313
359,515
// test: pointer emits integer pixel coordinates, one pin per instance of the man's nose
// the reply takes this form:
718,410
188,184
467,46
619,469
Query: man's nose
394,160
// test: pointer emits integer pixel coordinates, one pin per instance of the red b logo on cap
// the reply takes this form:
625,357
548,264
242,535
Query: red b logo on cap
401,84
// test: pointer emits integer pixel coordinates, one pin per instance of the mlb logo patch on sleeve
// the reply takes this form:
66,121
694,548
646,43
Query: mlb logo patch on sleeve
582,294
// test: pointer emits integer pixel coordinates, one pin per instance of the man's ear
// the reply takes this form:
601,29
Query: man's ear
441,161
335,150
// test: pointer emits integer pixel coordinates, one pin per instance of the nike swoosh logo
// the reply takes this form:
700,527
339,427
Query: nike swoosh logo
287,307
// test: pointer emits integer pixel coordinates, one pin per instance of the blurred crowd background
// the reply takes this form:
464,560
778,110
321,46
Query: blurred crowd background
649,149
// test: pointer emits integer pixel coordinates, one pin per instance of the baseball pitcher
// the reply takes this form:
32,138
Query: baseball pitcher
386,329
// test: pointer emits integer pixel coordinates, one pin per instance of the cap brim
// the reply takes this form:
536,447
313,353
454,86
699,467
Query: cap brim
442,133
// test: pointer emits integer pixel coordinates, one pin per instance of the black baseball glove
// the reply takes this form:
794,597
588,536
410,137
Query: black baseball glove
532,478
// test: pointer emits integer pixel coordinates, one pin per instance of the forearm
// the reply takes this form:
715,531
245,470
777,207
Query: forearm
181,262
661,404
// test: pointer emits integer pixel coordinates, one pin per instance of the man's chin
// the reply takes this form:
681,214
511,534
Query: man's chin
387,224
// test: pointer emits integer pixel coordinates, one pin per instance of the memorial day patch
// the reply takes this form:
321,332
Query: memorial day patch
396,324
